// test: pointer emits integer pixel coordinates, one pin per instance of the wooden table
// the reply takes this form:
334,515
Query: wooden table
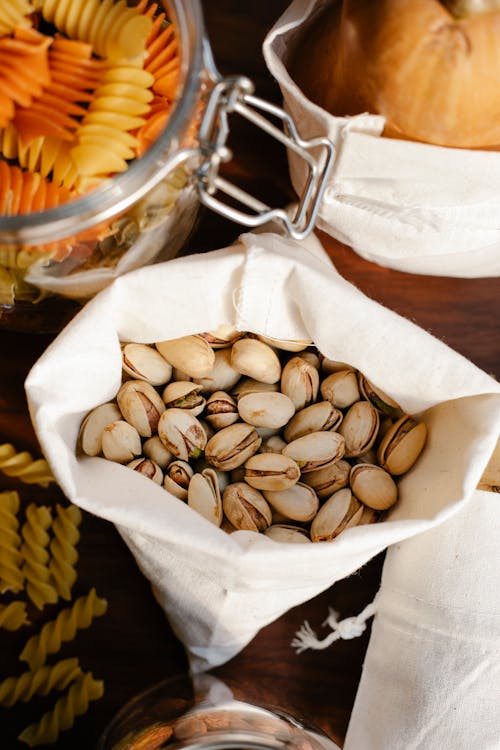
132,646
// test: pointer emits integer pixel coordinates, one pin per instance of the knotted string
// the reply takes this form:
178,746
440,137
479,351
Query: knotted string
351,627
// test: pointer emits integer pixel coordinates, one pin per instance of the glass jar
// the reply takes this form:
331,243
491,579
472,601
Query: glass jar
205,713
146,213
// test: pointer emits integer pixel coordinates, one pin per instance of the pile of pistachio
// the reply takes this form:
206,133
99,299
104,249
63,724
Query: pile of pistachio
257,434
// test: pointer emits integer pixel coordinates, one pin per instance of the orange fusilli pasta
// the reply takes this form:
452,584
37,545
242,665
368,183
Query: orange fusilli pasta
24,70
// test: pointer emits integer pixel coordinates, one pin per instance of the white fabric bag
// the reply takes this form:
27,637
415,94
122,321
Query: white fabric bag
410,206
431,676
217,589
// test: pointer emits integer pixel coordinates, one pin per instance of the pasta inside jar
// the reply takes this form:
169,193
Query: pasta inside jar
89,89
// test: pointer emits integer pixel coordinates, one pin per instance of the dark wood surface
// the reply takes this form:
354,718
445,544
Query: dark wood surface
132,646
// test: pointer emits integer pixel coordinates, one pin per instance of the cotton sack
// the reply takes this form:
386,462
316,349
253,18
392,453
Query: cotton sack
410,206
431,677
219,589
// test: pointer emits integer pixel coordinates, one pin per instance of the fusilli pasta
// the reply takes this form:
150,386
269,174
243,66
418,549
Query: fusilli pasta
62,717
64,555
115,31
36,557
22,465
13,616
11,575
56,112
40,682
12,14
104,140
63,628
24,70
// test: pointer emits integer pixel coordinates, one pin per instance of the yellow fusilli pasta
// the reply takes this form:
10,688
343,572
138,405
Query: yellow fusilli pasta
36,557
11,575
24,467
12,14
115,30
64,555
63,628
13,616
62,716
40,682
104,139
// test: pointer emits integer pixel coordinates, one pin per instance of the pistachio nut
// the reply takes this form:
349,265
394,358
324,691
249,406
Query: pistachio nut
223,336
267,432
315,450
246,508
177,478
271,471
223,477
231,446
368,516
221,410
333,365
121,442
287,534
271,410
222,376
142,362
359,428
227,526
341,388
256,360
380,400
191,354
341,511
373,486
141,406
297,503
154,449
329,479
402,445
180,374
184,394
181,434
315,418
207,428
273,444
250,385
204,496
300,382
370,457
147,468
312,358
90,438
288,345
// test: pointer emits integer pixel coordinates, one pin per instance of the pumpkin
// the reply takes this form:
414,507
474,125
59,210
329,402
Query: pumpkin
431,68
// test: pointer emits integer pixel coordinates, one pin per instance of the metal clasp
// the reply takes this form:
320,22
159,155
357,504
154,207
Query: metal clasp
236,95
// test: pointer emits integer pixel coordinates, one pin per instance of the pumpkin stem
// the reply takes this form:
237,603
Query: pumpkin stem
463,8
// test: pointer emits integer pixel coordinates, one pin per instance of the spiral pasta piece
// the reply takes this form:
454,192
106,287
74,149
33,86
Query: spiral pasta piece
57,111
47,155
77,617
12,14
41,681
115,30
24,70
36,557
162,54
104,139
13,616
63,548
22,465
11,575
62,717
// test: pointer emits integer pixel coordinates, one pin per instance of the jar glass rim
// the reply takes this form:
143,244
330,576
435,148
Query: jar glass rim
54,223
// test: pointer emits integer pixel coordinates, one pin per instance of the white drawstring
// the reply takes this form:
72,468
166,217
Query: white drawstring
351,627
